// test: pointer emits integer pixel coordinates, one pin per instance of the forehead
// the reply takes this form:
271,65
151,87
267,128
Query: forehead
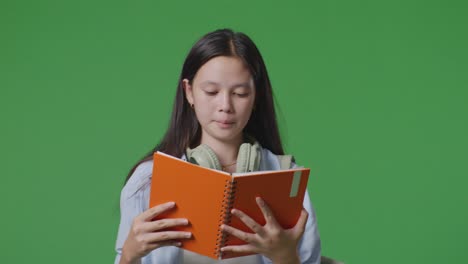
224,71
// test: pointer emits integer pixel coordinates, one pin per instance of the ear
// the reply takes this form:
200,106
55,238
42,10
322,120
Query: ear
188,90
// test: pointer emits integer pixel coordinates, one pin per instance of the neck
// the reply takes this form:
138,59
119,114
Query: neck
226,151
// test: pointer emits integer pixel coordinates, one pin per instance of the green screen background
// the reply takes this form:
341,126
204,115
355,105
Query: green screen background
372,95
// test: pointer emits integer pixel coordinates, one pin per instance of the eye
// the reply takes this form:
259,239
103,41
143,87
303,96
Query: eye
242,94
211,93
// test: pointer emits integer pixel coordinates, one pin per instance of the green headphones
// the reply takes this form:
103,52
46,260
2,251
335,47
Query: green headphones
248,158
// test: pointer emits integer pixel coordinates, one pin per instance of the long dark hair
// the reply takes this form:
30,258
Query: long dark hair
184,130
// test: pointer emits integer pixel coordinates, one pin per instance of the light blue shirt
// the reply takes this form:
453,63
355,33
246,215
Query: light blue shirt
134,199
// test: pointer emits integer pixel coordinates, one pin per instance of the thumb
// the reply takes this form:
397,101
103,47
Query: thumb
299,228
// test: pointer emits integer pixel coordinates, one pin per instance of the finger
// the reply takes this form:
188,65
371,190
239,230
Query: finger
170,243
249,222
301,223
244,236
240,249
149,214
165,236
267,213
152,246
163,224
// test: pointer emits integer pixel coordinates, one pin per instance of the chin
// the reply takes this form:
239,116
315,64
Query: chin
230,136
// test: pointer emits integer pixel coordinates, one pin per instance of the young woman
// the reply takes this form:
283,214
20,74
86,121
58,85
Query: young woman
223,108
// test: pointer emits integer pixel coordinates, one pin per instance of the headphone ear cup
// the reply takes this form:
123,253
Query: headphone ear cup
204,156
255,156
243,158
248,159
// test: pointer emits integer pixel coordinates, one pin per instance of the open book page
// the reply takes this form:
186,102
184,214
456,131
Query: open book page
199,195
283,191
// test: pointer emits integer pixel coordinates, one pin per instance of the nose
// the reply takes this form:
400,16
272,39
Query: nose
225,104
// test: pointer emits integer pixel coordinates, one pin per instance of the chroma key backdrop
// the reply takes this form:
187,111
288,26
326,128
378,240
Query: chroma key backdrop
371,95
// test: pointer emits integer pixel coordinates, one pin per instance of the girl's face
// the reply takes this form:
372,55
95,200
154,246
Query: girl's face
223,95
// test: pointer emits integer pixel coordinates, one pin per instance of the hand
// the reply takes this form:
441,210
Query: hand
145,234
270,240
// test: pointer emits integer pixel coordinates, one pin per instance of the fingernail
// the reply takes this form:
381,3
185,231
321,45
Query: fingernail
185,221
178,244
170,204
188,235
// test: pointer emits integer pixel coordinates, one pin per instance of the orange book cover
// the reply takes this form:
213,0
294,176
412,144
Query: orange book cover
205,197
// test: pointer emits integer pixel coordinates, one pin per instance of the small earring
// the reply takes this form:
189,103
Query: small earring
191,105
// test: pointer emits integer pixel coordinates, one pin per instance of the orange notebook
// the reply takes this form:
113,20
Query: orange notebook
206,196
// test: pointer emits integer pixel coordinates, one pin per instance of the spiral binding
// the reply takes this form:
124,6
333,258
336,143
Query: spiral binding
225,217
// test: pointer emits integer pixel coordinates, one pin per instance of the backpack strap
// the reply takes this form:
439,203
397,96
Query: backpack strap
285,161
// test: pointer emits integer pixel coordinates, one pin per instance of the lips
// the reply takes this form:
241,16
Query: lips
225,122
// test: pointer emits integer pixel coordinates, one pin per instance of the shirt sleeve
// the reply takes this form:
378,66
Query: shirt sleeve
133,201
309,245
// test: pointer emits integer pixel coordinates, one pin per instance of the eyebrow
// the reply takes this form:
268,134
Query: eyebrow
244,84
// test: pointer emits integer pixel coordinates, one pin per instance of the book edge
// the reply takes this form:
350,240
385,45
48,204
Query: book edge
172,157
266,172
